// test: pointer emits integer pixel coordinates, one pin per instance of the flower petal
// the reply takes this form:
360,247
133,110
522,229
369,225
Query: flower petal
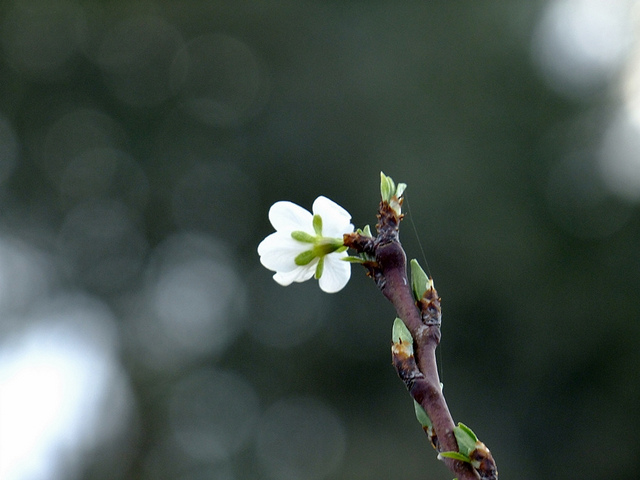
300,274
278,252
335,219
336,273
287,217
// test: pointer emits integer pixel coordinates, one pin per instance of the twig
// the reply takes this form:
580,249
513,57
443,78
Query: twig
388,267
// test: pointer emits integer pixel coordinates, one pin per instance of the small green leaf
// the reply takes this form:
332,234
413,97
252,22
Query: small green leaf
421,415
400,332
466,439
400,189
366,231
317,224
384,187
319,268
455,456
305,258
468,431
419,280
303,236
392,187
387,187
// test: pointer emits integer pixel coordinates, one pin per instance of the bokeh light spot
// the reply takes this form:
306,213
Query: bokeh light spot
578,45
578,200
62,392
40,37
221,80
89,174
8,149
103,245
288,316
218,198
212,414
25,276
192,305
73,135
105,172
300,439
619,158
136,58
630,84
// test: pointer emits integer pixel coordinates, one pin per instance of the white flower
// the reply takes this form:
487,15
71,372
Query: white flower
305,244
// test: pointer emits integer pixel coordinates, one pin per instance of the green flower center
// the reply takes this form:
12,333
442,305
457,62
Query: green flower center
319,246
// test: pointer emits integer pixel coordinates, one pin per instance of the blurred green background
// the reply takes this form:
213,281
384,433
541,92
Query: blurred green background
141,146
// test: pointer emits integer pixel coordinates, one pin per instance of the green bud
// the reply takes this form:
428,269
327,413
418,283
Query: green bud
419,280
467,442
400,332
391,193
387,187
466,439
421,415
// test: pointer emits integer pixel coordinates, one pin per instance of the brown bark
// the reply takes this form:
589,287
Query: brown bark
388,268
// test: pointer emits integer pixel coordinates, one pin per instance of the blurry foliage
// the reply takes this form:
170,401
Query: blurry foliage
142,143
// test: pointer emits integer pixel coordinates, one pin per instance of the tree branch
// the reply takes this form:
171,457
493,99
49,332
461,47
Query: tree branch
389,270
427,391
